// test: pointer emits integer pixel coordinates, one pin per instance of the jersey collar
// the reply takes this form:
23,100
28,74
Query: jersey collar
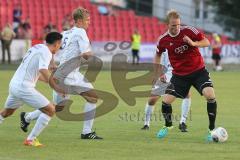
173,35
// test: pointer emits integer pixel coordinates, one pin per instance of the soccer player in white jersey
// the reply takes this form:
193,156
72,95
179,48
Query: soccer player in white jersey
75,43
34,67
156,94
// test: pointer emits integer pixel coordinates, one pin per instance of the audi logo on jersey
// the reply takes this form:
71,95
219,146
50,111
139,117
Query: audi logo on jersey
181,49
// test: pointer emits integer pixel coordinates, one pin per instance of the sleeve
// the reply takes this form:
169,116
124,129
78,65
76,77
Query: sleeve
160,49
196,34
84,43
44,60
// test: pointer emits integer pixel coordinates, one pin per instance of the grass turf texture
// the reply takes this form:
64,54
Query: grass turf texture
120,128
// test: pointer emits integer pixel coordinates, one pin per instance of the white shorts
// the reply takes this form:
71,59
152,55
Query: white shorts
18,96
77,79
76,84
159,87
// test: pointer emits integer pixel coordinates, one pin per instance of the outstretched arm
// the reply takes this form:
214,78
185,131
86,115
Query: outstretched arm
202,43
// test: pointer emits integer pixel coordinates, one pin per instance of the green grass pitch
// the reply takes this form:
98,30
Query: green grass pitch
120,128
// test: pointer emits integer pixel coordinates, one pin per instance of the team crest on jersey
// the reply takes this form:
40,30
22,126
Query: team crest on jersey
171,43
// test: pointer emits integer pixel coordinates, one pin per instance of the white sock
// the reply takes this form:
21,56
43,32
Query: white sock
41,123
32,115
1,119
89,118
186,103
148,113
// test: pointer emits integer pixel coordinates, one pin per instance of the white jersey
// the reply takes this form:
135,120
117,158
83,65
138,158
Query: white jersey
74,42
165,62
37,57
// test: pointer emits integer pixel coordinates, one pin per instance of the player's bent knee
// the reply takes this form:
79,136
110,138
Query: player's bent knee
49,110
52,111
168,99
208,93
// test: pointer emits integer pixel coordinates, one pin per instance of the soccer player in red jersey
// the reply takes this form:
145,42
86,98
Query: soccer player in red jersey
182,44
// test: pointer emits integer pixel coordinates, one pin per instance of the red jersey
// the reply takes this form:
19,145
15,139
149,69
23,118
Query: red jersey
184,58
216,50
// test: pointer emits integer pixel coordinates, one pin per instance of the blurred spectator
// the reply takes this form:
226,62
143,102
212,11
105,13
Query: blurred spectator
26,24
66,23
20,32
111,10
216,51
136,42
48,28
106,9
24,30
54,29
27,33
103,10
7,35
17,13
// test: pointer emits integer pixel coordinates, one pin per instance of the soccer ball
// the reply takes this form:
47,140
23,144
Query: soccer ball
219,134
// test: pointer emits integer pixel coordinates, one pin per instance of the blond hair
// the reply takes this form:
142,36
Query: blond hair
172,14
80,13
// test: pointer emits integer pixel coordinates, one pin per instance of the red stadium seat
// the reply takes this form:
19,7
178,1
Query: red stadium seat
118,27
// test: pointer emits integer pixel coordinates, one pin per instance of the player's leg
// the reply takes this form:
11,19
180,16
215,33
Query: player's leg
214,61
179,88
11,104
137,56
89,110
149,108
41,123
204,86
218,65
26,117
167,115
158,90
6,113
8,51
82,87
133,56
60,100
3,51
208,93
35,99
185,107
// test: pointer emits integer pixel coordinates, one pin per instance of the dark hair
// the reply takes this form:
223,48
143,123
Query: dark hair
52,37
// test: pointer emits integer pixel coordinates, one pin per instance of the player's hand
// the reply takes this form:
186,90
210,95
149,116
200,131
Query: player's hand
188,41
163,78
53,82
